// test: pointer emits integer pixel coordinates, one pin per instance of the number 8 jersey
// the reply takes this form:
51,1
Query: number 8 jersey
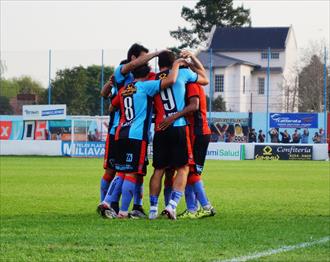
135,104
172,99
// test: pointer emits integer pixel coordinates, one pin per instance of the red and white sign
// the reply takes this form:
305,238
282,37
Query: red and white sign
5,129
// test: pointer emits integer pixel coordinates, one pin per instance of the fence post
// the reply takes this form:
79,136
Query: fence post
211,84
102,80
325,94
49,75
267,98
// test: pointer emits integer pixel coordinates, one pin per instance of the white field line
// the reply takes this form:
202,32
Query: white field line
277,251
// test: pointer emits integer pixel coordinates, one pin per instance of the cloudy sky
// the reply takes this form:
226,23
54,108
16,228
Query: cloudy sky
76,31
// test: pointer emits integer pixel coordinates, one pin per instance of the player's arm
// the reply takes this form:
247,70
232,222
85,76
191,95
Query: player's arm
191,107
172,76
141,60
197,67
115,104
106,89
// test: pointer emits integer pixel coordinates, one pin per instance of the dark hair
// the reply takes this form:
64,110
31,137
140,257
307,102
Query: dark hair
136,50
166,59
141,71
124,62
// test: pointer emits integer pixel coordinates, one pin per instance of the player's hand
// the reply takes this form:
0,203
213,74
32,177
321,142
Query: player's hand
186,54
166,122
181,62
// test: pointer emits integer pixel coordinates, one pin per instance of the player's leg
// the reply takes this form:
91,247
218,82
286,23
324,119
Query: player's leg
109,172
181,158
190,198
168,184
200,150
160,162
114,192
128,190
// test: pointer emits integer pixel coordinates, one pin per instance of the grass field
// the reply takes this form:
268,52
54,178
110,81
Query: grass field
48,214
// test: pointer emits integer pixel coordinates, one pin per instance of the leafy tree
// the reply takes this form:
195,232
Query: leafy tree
311,86
5,107
79,89
204,15
218,104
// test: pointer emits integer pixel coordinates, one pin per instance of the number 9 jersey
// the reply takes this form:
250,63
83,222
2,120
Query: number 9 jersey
172,99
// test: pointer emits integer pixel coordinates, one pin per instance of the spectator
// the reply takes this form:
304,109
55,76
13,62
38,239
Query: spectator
285,137
296,137
97,135
305,136
261,137
252,136
58,135
274,137
317,138
322,135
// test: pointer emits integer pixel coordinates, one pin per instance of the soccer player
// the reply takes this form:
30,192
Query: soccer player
135,103
200,134
171,147
137,55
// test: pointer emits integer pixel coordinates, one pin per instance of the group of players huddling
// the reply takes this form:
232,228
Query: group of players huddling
176,98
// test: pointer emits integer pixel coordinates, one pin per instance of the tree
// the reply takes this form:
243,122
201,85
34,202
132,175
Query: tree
204,15
21,85
79,89
218,104
5,107
311,86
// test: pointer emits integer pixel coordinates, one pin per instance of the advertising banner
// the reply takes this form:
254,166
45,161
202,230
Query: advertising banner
83,149
283,152
5,129
293,120
229,130
44,112
224,151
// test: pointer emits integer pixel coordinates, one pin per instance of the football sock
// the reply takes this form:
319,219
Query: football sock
105,182
190,198
174,199
201,194
153,203
138,193
167,194
128,190
114,191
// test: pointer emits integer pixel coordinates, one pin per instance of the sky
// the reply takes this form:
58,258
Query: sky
76,31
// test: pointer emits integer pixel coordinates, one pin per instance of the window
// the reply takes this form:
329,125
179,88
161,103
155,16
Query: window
218,83
261,86
243,84
273,55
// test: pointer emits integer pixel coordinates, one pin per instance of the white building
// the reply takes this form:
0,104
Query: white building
239,66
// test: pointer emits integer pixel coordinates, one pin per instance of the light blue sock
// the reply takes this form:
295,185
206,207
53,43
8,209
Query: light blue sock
190,198
104,188
200,193
138,194
128,190
114,191
175,199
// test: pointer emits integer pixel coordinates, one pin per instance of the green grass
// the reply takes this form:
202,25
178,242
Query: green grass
48,214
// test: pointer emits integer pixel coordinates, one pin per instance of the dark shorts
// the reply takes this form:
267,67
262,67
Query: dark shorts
131,156
172,148
200,144
109,153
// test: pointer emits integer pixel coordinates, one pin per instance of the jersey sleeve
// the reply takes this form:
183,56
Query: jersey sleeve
119,77
188,75
116,101
152,87
192,90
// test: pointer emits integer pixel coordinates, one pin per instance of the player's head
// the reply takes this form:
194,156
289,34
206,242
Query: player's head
135,51
166,59
141,71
